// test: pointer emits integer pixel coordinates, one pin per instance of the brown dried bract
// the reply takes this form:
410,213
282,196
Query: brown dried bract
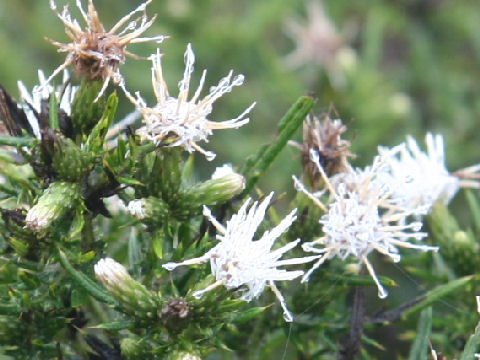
95,53
324,137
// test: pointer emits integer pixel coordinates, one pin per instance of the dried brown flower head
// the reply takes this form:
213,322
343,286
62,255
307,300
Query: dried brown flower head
324,137
95,53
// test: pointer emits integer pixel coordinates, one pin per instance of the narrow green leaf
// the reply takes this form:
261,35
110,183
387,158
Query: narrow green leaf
472,346
474,206
244,316
85,282
128,181
97,136
16,140
78,297
419,348
157,244
115,325
438,293
287,127
53,112
360,280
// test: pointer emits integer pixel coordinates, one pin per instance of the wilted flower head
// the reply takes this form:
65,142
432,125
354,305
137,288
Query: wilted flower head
421,178
324,138
179,121
36,104
361,218
96,53
240,260
317,40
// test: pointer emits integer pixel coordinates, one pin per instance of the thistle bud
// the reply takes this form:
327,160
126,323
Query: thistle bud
86,112
67,159
133,348
458,248
184,355
151,209
134,298
54,203
224,185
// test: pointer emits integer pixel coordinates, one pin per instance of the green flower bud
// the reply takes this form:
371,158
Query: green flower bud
68,160
151,209
184,355
134,298
133,348
458,247
86,112
224,185
54,203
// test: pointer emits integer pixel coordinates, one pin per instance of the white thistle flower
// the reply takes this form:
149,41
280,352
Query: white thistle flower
34,101
361,218
222,171
110,273
96,53
179,121
317,40
239,260
421,178
136,208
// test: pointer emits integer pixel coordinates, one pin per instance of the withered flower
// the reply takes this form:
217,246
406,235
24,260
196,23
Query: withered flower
324,138
96,53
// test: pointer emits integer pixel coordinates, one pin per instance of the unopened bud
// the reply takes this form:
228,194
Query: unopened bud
224,185
133,297
184,355
54,203
151,209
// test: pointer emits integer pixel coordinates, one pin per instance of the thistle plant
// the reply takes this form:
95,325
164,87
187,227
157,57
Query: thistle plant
110,214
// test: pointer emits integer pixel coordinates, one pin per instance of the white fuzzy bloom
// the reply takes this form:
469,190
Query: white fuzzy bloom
360,218
33,102
110,273
240,260
419,177
422,178
136,208
222,171
180,121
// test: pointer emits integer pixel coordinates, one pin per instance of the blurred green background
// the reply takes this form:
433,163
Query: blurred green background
388,67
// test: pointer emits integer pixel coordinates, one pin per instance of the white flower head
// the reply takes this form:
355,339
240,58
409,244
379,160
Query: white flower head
361,218
180,121
110,273
422,178
239,260
317,40
136,208
96,53
34,102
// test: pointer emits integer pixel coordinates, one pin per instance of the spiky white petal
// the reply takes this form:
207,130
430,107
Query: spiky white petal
422,178
239,260
41,93
180,121
361,218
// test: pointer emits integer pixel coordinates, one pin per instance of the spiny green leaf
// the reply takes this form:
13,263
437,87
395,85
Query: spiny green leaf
53,112
115,325
437,294
85,282
287,127
17,140
97,136
419,348
472,346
